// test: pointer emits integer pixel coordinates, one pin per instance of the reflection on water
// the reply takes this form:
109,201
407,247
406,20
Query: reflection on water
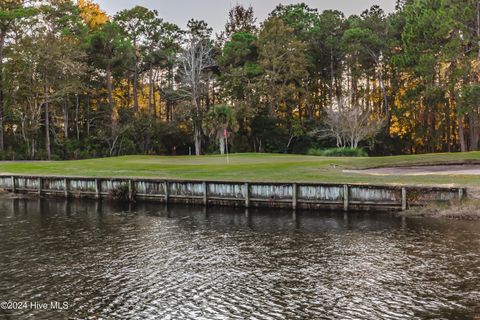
150,261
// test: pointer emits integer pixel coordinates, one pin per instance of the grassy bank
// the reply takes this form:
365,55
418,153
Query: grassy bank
252,167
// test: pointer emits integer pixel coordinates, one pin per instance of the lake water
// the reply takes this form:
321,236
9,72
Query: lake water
101,260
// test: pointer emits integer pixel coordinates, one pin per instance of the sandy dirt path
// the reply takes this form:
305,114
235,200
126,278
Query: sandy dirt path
472,169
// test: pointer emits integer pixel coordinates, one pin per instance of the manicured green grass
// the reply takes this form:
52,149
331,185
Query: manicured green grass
252,167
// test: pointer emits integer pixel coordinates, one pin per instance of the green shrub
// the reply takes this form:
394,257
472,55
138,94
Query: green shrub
10,154
338,152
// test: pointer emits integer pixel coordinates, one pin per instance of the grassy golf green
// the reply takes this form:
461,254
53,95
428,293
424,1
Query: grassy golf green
253,167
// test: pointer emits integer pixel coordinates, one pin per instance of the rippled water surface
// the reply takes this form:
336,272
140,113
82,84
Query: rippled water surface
149,261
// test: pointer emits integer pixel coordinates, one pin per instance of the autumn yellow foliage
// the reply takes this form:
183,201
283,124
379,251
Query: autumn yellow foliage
91,13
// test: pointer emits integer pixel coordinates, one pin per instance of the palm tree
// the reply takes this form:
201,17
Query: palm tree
220,118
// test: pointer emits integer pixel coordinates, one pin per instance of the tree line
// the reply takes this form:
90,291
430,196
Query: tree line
77,83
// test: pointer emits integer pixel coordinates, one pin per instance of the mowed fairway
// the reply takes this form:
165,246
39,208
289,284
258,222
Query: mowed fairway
253,167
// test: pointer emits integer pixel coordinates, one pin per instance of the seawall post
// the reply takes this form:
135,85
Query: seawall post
345,197
40,180
247,195
130,190
294,196
404,199
97,188
165,188
205,193
13,185
65,184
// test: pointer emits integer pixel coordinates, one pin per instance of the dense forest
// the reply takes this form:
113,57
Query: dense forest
77,83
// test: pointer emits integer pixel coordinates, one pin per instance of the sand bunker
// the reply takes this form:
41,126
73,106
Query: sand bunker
470,169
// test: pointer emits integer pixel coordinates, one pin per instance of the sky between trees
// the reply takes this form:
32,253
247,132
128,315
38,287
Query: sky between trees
214,11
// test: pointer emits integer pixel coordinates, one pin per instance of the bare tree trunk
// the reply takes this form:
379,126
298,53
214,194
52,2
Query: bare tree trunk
478,27
88,115
129,95
111,103
167,110
2,44
36,106
198,140
151,93
207,94
168,104
221,142
65,118
474,131
110,88
77,107
197,127
33,148
461,134
384,95
135,83
332,77
156,111
47,123
449,128
112,146
460,118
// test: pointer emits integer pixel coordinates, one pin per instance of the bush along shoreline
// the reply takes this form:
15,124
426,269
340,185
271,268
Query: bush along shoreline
467,209
338,152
